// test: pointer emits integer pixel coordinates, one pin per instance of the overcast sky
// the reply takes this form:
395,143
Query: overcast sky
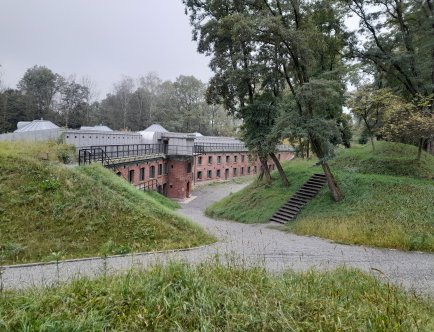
101,39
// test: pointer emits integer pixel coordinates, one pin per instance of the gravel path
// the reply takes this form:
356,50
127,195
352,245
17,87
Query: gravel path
260,244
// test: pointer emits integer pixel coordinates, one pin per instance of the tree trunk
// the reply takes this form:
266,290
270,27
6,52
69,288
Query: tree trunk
332,184
301,145
265,169
307,149
335,190
372,143
419,150
280,169
261,174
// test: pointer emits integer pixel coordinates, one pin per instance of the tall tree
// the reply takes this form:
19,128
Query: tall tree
123,93
13,108
40,84
398,41
190,97
74,96
147,94
373,107
263,47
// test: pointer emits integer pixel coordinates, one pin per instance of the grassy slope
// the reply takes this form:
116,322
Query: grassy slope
217,298
50,211
386,209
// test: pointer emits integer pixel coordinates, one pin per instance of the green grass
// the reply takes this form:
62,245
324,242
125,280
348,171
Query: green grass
50,211
258,201
212,297
388,159
386,203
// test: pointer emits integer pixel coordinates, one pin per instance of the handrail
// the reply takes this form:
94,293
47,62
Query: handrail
151,184
87,156
128,150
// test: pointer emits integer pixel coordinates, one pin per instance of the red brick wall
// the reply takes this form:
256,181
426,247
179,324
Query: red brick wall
178,182
232,168
124,171
180,177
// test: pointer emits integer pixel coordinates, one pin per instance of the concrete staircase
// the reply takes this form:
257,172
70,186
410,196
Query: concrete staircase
308,191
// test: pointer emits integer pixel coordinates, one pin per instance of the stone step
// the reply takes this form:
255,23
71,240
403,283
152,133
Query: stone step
304,193
279,220
313,185
292,207
294,200
309,190
284,214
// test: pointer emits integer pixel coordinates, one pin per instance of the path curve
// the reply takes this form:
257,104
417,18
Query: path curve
258,244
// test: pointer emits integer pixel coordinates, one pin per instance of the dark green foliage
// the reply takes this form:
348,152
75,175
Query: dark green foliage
363,139
397,44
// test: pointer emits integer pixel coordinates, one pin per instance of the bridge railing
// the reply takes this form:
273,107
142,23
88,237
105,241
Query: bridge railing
95,154
228,147
219,147
129,150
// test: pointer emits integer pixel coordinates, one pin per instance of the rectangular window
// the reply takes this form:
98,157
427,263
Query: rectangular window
142,174
199,161
242,170
254,169
242,158
209,159
228,159
131,176
188,168
152,172
219,159
199,174
160,169
209,174
235,172
165,169
248,170
218,173
278,156
235,159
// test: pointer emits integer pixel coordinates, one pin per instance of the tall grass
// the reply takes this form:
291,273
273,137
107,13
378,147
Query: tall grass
218,298
48,210
388,199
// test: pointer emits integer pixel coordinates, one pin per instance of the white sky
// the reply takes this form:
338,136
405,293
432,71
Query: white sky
101,39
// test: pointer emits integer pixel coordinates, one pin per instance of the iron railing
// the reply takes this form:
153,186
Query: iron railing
219,147
129,150
95,154
235,147
150,185
110,155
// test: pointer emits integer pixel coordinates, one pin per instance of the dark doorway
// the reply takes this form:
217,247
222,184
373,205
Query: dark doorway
131,176
188,189
226,173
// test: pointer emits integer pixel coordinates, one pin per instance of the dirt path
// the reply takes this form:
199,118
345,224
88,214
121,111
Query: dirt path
262,245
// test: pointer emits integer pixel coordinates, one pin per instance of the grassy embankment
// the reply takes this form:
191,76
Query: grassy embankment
217,298
49,211
388,199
